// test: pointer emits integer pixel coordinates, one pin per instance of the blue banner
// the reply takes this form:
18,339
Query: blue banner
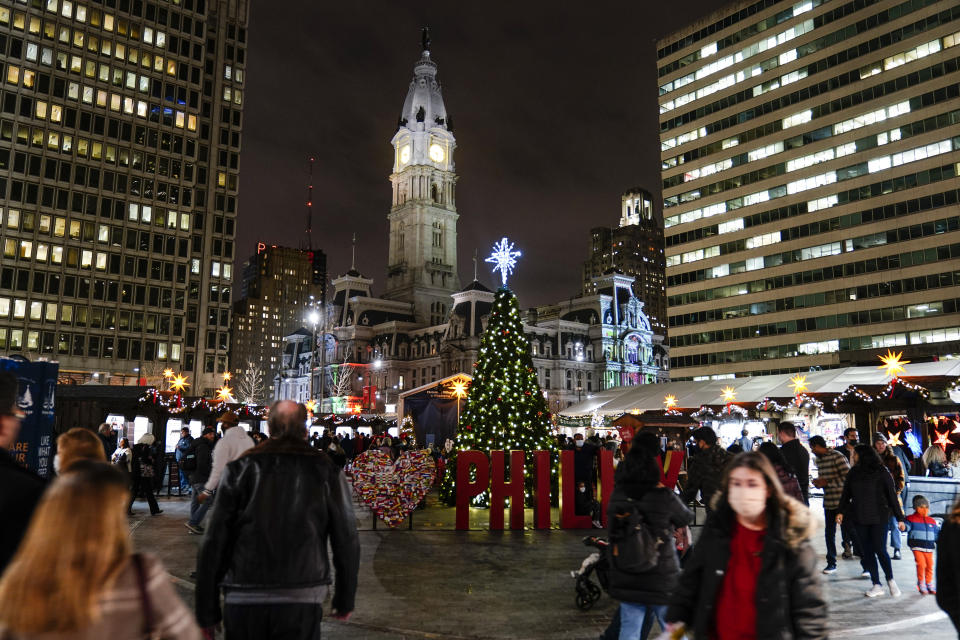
35,398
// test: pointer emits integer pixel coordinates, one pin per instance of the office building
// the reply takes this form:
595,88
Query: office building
809,165
120,127
634,248
280,286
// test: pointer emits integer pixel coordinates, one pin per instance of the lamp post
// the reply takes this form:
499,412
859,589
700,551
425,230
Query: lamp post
378,382
579,371
313,317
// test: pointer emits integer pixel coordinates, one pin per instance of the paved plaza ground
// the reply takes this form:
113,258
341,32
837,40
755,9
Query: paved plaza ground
434,582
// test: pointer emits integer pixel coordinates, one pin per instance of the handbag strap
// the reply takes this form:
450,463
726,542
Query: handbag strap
144,595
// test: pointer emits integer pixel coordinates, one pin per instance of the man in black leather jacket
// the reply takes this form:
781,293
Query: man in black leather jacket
266,541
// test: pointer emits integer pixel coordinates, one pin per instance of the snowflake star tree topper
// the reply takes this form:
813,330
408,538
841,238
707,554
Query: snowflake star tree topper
504,259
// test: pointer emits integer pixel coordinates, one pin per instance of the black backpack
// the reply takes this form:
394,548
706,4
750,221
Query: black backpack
634,548
188,461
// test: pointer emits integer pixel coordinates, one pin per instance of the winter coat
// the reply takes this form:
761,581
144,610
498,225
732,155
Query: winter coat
869,497
790,604
948,570
705,473
204,450
19,496
798,458
663,513
892,462
278,507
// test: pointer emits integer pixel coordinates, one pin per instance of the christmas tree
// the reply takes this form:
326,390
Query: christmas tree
505,409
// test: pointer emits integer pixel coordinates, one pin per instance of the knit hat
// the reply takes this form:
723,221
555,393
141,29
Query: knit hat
208,430
879,437
230,418
147,439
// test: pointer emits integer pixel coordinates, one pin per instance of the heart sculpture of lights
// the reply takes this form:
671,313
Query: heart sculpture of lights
392,489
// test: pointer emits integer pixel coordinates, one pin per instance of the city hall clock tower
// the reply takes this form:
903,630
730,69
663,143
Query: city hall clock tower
422,256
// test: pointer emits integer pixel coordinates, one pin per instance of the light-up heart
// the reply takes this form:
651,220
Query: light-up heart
392,489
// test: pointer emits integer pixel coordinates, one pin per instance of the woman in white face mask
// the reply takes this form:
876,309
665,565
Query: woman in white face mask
752,573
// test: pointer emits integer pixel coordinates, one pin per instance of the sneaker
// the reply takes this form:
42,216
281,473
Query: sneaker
931,590
847,551
193,528
597,525
896,554
156,513
865,574
922,588
894,589
830,568
875,590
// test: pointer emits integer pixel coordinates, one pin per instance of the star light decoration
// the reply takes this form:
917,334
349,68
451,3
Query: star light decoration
226,376
670,401
224,393
943,439
893,439
504,259
893,364
311,406
729,395
179,383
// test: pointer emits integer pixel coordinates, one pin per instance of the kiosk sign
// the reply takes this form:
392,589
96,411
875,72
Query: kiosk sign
35,398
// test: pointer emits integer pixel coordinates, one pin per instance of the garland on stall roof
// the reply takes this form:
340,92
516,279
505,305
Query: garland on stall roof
852,394
768,404
900,382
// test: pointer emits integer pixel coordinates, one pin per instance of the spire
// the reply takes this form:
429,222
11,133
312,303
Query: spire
475,254
310,208
353,253
424,102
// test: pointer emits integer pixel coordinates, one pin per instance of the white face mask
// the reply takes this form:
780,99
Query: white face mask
748,502
583,489
579,443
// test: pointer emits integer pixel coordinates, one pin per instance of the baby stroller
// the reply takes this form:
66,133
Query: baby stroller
588,591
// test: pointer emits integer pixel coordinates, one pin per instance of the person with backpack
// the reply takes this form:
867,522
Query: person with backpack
183,445
752,573
643,516
705,468
198,462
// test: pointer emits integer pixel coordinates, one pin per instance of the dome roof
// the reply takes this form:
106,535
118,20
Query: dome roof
476,285
424,93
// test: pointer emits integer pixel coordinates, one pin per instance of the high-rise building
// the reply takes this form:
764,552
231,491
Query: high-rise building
809,165
120,127
634,248
280,286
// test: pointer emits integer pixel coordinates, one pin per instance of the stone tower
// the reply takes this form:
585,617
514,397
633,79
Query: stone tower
422,256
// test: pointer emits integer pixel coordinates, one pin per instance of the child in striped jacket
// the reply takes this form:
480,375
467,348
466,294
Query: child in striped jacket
922,532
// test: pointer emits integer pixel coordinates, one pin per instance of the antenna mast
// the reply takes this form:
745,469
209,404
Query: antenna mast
310,207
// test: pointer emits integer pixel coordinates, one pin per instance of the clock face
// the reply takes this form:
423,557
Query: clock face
436,153
405,154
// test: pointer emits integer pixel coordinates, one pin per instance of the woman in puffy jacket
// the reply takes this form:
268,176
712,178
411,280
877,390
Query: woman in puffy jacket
752,573
644,595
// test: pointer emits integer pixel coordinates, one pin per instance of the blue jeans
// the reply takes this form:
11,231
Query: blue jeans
184,482
633,616
197,510
894,533
830,534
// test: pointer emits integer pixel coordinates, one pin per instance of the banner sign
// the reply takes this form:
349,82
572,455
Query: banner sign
35,398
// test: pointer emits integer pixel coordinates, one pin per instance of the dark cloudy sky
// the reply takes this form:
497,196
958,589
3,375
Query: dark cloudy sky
554,107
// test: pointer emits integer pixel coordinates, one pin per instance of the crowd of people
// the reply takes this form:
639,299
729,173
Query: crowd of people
752,572
68,570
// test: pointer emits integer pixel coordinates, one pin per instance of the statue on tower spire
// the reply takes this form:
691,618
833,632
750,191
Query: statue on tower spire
425,38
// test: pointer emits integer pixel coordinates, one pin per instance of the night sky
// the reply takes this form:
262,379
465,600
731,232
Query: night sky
554,107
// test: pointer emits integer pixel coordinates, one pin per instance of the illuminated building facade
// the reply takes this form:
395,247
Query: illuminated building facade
809,162
120,127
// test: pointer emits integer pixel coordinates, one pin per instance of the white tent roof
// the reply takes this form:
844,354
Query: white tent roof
754,389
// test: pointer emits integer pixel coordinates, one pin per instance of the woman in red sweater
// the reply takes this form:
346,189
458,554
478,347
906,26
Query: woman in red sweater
752,574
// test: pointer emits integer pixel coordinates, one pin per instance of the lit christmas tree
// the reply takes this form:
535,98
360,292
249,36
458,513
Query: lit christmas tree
505,410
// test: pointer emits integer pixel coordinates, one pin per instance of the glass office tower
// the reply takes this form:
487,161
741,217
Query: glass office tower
120,130
809,162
